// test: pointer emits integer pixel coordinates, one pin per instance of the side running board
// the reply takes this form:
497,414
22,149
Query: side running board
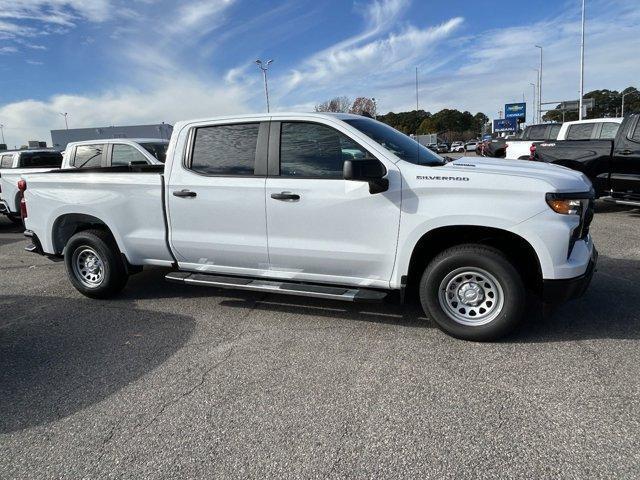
274,286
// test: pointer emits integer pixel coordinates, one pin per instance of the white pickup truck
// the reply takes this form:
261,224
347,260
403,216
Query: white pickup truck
12,166
324,205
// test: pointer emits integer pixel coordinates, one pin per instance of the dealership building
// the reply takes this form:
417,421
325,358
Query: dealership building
60,138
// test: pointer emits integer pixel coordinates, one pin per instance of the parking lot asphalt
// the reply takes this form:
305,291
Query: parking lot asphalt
169,381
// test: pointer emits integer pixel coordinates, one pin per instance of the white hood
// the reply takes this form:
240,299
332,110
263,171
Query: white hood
561,178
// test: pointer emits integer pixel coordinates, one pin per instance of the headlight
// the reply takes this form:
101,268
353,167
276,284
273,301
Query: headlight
568,203
565,206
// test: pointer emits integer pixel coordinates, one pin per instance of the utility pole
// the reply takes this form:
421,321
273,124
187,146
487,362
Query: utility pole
540,87
66,124
264,67
533,103
2,129
580,113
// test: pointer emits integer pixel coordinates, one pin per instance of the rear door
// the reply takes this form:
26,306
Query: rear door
625,163
321,227
216,199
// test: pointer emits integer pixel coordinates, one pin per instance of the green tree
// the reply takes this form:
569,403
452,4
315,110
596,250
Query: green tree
608,103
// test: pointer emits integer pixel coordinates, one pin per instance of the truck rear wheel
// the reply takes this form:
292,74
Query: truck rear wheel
473,292
94,265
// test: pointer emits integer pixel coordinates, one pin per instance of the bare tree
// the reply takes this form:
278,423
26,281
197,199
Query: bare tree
336,104
364,106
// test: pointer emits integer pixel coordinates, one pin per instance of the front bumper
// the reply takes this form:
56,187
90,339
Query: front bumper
559,291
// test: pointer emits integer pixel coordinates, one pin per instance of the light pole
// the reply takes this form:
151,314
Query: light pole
66,124
623,95
581,65
533,112
417,103
540,86
2,126
264,67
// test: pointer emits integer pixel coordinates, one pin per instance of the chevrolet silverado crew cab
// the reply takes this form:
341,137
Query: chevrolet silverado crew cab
12,166
611,162
334,206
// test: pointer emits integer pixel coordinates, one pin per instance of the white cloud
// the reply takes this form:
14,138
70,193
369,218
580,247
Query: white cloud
4,50
168,101
372,60
199,14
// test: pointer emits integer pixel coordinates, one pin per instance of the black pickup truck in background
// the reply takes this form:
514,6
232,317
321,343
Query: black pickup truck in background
613,166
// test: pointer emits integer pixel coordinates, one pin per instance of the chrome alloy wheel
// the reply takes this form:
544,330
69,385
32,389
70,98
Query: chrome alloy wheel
471,296
88,267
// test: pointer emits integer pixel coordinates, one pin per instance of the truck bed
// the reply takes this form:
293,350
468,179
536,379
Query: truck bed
129,200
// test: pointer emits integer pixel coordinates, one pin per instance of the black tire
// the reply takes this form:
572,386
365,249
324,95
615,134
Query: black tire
102,281
494,282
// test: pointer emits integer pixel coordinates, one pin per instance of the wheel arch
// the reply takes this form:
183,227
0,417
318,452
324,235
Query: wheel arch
517,249
68,224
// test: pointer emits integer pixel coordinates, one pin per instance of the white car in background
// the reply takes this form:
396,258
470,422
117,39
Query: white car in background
457,147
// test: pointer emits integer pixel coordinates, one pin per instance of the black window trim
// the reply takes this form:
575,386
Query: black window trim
274,150
260,164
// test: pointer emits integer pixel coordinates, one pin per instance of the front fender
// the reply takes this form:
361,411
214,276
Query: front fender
409,241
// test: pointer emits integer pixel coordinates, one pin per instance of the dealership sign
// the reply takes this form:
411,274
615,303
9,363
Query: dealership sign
502,125
516,110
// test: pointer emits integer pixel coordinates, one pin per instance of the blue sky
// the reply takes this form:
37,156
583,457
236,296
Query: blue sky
122,62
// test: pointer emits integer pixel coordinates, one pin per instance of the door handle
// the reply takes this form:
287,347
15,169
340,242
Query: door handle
285,196
625,152
184,193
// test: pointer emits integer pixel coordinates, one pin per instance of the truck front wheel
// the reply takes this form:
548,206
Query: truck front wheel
473,292
94,265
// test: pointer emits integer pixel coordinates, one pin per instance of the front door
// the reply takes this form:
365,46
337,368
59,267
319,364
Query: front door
321,227
216,203
625,164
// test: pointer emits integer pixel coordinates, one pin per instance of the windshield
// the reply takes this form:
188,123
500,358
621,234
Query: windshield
396,142
158,150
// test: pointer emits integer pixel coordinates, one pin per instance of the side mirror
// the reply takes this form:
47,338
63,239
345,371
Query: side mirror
368,170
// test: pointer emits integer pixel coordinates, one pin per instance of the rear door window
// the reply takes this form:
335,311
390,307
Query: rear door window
40,160
609,130
88,156
6,161
226,150
581,131
554,130
537,132
126,155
